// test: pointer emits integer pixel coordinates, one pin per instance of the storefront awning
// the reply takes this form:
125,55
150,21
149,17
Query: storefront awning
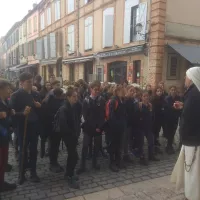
78,60
189,52
120,52
26,66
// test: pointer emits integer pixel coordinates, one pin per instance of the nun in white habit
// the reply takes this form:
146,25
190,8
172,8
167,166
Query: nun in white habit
186,173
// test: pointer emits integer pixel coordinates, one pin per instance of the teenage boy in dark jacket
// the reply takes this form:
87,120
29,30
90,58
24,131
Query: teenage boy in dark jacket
5,114
94,116
171,118
68,125
26,104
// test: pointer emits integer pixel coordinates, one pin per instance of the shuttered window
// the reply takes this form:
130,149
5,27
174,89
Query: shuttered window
49,16
88,33
46,47
42,21
52,45
39,49
70,5
127,19
57,10
173,67
70,38
108,26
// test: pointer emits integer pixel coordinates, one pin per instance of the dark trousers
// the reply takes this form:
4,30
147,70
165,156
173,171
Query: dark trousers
31,145
71,144
87,140
115,147
139,139
158,124
170,133
3,162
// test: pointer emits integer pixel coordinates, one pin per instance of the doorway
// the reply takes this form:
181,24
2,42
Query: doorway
88,71
117,72
71,72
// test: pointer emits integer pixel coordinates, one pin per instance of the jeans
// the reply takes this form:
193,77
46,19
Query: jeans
71,144
97,145
31,144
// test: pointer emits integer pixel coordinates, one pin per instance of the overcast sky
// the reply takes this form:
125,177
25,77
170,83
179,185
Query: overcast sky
12,11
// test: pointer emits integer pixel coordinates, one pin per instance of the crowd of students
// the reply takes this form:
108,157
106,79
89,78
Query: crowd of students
125,114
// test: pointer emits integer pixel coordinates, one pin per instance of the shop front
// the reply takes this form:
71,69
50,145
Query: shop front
127,64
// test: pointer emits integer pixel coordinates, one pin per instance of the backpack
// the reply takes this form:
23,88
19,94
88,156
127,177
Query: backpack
56,122
108,108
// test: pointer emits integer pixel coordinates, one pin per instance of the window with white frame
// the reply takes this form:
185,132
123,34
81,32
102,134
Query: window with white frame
135,13
48,16
57,10
108,24
173,64
70,5
88,33
42,21
29,27
70,39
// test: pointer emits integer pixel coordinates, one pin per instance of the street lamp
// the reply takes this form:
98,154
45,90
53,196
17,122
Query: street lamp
67,49
139,28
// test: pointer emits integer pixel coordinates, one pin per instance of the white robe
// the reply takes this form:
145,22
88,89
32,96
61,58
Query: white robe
190,181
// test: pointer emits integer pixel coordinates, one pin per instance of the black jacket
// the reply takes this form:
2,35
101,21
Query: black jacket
117,118
19,100
171,114
130,111
190,119
158,104
94,115
67,120
144,119
4,124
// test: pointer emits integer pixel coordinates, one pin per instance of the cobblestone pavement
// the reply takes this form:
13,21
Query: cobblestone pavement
155,189
54,187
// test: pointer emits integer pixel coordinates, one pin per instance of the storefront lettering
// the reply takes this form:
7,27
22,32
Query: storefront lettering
120,52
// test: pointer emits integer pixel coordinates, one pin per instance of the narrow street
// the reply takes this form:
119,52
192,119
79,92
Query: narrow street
54,187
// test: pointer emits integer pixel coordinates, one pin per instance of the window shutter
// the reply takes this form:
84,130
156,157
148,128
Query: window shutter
108,23
142,19
90,36
45,48
73,38
86,34
127,19
39,49
70,6
25,49
52,45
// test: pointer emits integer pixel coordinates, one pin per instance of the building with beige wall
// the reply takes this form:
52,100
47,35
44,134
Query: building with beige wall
93,39
174,40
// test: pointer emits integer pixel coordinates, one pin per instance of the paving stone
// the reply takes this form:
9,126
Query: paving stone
69,195
108,186
60,197
127,182
18,197
50,194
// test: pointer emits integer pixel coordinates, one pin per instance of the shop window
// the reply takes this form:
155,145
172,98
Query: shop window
173,63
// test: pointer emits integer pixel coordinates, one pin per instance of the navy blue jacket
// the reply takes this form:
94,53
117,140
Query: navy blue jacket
19,100
171,114
4,124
